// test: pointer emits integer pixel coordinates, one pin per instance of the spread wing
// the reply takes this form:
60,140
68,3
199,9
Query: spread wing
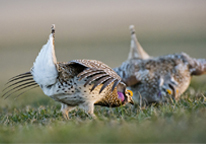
97,72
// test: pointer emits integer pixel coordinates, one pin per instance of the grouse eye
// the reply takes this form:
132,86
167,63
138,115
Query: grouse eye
130,92
169,91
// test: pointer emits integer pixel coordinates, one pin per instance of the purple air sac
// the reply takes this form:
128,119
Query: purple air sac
121,96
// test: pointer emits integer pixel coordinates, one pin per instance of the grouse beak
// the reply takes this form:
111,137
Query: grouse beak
131,101
129,96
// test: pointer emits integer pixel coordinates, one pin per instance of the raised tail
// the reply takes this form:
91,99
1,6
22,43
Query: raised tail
136,50
44,69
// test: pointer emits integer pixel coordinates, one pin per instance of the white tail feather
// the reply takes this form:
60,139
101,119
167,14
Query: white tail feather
136,50
44,68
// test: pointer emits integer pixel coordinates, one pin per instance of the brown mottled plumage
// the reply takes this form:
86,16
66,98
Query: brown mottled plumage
156,79
82,83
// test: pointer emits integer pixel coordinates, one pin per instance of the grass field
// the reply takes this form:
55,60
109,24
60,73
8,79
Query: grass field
99,30
182,121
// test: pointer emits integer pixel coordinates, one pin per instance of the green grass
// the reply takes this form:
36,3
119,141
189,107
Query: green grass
180,121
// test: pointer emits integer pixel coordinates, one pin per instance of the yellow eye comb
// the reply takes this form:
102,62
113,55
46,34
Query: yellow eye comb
129,91
169,91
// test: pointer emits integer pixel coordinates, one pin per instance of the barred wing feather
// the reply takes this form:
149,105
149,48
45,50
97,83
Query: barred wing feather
97,72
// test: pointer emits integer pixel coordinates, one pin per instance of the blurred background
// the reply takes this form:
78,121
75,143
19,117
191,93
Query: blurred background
96,30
